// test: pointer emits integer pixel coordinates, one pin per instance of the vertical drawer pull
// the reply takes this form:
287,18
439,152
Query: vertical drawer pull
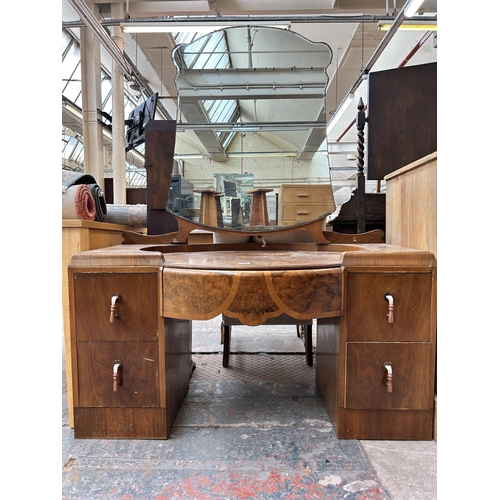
388,368
117,374
390,315
115,298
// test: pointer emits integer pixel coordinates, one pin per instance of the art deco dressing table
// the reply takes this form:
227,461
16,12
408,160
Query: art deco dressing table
132,305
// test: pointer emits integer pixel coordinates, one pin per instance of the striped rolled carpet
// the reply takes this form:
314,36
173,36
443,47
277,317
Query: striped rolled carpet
78,203
128,215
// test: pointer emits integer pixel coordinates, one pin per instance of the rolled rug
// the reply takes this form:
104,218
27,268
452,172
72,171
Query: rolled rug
78,203
69,178
101,214
128,215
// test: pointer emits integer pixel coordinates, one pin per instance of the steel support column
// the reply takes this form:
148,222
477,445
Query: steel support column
117,82
91,101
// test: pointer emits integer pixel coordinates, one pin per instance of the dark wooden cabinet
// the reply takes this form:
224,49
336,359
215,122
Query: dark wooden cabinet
374,214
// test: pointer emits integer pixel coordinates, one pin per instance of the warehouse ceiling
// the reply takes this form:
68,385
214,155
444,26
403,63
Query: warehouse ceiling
349,28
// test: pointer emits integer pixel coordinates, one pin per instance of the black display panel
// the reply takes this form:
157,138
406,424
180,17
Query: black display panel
137,120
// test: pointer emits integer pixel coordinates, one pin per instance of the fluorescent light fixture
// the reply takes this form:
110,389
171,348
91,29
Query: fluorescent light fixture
238,154
261,154
412,7
177,27
189,157
340,111
250,127
410,27
167,28
240,128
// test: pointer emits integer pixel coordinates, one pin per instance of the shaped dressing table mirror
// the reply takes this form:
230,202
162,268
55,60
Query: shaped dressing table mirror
250,148
243,164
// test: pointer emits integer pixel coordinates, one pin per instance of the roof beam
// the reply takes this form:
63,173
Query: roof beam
194,112
266,83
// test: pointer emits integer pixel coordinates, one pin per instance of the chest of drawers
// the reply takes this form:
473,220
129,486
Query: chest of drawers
119,356
382,353
304,202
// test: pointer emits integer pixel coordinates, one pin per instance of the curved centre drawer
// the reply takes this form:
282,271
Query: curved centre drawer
252,286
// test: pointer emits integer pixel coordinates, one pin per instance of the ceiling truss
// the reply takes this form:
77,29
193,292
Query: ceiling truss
353,56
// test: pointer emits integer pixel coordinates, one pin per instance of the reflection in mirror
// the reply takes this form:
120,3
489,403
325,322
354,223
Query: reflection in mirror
251,119
235,198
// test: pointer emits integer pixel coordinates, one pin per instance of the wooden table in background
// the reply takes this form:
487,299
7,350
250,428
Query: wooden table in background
79,236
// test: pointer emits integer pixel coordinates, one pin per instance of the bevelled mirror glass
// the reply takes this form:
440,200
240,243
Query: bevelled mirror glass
251,130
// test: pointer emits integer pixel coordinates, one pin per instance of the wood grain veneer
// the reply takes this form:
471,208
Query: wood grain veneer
366,381
339,284
139,386
202,285
135,318
385,424
120,423
412,222
368,307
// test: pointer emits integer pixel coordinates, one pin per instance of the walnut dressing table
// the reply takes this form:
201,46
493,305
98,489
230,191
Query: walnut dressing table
131,308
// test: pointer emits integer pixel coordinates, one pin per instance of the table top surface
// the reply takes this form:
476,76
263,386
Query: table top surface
253,261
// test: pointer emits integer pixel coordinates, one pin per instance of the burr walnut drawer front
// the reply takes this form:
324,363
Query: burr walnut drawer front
388,375
116,306
118,374
388,306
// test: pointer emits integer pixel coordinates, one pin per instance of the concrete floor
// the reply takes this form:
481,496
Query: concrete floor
257,429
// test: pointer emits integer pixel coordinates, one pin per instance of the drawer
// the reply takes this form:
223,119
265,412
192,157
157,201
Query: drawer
136,312
138,374
307,193
298,212
366,376
367,308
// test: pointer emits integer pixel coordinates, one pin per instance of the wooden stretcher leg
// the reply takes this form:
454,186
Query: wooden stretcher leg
226,349
308,344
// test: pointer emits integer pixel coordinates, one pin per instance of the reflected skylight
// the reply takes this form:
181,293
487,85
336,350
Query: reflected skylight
211,52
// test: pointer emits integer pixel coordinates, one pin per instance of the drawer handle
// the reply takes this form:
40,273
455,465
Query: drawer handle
390,315
303,195
302,212
115,298
388,368
117,374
